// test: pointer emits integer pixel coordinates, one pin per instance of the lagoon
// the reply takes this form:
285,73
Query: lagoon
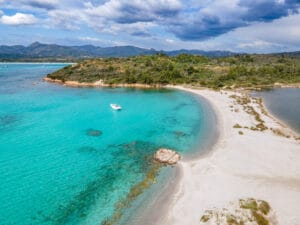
284,103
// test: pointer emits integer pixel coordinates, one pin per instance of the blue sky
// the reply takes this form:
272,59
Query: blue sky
259,26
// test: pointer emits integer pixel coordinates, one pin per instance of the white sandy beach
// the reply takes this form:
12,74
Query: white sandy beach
257,164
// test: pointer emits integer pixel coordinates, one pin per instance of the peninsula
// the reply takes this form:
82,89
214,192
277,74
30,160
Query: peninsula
240,71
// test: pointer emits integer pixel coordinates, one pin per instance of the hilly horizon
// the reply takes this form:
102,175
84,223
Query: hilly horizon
38,50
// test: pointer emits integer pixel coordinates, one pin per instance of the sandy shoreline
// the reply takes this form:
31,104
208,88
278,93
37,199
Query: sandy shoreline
258,164
257,160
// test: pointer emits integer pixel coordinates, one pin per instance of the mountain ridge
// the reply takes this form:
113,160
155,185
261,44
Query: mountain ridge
38,50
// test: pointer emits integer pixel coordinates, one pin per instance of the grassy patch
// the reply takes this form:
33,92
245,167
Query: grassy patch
247,211
264,207
248,204
233,220
205,218
259,218
237,126
279,132
245,102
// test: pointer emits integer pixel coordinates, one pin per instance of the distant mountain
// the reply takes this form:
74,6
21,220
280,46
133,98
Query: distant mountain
38,50
201,52
290,54
52,52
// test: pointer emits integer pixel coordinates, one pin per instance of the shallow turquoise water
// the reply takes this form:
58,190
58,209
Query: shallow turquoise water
284,103
66,157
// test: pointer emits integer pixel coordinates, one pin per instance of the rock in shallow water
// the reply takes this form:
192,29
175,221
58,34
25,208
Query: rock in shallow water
93,133
167,156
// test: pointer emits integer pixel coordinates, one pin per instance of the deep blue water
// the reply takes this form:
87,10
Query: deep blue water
284,103
67,158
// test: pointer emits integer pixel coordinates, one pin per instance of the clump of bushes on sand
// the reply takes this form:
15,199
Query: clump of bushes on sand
246,211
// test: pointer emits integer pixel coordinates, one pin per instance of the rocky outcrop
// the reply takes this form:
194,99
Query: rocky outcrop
93,132
166,156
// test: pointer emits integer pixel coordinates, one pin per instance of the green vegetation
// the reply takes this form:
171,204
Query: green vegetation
224,72
205,218
237,126
259,218
247,211
248,204
245,102
264,207
232,220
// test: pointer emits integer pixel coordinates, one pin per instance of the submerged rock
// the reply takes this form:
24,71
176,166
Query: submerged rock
94,133
179,134
167,156
87,149
8,119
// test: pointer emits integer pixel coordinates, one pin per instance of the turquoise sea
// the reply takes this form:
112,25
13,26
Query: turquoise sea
67,158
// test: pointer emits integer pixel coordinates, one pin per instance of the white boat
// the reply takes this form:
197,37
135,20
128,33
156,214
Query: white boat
115,106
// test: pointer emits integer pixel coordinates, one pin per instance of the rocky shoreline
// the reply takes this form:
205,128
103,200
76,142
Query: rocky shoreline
99,83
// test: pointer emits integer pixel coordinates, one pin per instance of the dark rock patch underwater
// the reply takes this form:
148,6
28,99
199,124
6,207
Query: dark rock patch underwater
93,132
127,157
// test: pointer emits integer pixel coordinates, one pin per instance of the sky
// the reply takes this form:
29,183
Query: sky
253,26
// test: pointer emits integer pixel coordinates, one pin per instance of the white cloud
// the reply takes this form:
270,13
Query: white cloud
255,44
18,19
68,19
90,39
126,16
117,8
87,38
101,41
171,41
284,33
236,25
